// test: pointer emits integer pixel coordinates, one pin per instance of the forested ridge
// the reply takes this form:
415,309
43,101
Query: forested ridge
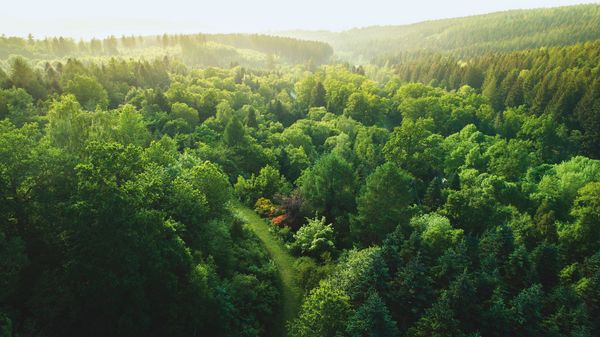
254,50
466,36
435,194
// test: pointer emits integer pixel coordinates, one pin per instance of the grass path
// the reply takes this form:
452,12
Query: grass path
291,293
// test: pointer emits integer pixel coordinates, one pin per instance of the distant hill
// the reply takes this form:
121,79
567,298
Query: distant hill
466,36
193,49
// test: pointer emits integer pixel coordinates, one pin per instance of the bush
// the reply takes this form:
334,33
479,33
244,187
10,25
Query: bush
310,273
314,238
268,183
265,208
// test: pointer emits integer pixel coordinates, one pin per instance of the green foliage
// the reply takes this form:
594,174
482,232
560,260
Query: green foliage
132,227
234,132
314,239
410,292
476,194
364,107
528,310
372,319
467,36
324,313
14,260
360,271
329,188
23,76
185,112
211,181
434,197
318,96
88,91
560,184
510,159
437,321
196,49
310,273
583,236
556,83
130,128
383,204
368,147
437,233
476,206
66,124
251,118
268,183
16,105
415,148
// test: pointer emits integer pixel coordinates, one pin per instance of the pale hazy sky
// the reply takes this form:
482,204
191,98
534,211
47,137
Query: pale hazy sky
81,18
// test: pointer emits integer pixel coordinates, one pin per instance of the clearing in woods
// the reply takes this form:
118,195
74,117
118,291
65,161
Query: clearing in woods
284,262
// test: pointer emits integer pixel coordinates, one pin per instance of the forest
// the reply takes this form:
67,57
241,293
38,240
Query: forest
236,185
466,36
195,50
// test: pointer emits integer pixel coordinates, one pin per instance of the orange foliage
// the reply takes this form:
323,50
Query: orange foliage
279,220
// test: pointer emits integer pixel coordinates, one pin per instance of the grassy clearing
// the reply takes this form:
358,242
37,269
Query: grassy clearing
281,257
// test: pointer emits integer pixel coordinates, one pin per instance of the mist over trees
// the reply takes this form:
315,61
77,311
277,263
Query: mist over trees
441,193
195,50
466,37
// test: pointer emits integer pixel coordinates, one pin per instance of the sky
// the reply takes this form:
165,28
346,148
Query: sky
86,19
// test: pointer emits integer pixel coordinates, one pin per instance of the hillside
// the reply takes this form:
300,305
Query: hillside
466,36
194,50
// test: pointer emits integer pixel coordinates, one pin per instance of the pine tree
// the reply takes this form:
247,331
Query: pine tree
492,91
234,132
372,319
251,121
433,196
318,95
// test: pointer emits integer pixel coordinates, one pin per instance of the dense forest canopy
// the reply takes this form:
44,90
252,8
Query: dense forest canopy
442,193
467,36
562,81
